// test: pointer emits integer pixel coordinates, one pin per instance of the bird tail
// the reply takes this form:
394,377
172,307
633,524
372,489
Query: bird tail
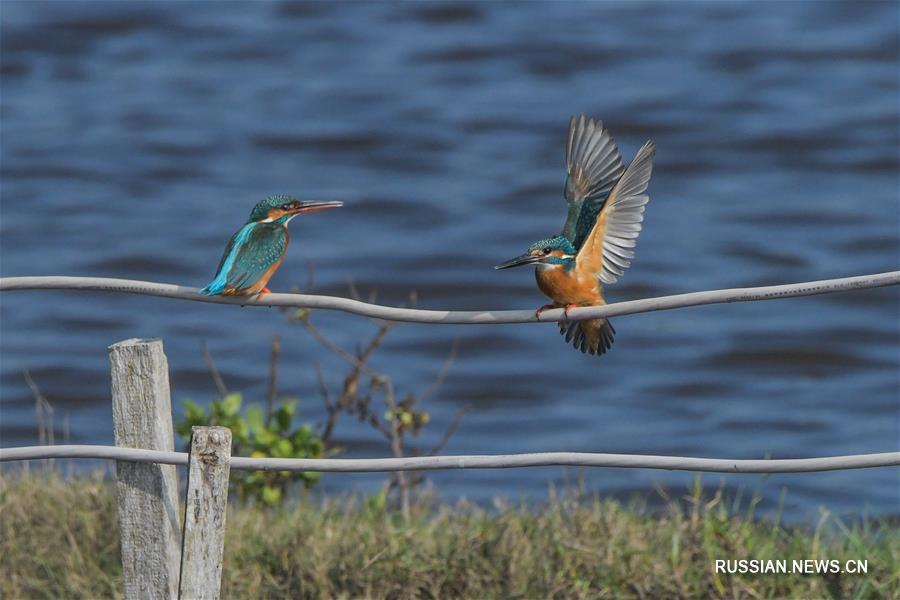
212,289
594,336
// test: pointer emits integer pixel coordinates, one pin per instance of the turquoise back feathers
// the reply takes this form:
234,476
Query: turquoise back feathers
250,254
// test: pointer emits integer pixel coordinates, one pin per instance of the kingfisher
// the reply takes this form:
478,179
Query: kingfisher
606,205
255,252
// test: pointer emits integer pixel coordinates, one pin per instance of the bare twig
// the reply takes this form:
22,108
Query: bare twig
454,425
353,290
331,408
213,371
44,412
378,425
42,407
67,441
332,346
351,400
350,391
442,374
396,444
273,379
323,388
310,274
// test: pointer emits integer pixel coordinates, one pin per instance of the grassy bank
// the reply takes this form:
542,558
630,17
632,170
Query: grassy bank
59,539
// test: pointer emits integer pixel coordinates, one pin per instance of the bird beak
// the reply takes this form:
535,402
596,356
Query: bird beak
314,206
524,259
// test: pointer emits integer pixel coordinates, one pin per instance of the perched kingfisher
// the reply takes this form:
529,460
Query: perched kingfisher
255,252
606,207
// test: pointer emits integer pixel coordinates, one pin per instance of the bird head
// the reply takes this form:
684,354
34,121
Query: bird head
281,209
556,251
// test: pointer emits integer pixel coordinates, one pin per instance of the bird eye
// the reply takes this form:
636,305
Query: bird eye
547,250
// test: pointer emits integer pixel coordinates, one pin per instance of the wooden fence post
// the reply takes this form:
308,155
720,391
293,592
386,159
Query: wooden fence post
204,513
147,493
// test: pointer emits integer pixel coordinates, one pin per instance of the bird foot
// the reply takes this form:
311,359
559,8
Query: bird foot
566,309
537,313
263,292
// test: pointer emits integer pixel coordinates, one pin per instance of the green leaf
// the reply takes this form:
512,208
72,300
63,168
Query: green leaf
271,495
193,410
284,415
194,415
255,421
265,438
301,437
255,477
231,405
239,432
376,502
283,449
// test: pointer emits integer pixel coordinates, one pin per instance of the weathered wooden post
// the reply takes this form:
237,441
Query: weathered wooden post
204,513
148,493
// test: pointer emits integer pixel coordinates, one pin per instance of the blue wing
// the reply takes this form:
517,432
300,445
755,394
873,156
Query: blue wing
594,166
250,253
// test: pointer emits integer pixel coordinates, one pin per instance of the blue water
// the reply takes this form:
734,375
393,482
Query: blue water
136,137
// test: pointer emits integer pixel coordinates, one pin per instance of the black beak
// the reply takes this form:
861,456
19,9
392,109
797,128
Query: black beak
525,259
315,206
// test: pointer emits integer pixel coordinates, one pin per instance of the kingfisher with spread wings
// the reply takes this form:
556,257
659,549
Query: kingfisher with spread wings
606,205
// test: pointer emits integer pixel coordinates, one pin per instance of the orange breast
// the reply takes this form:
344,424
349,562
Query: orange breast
567,287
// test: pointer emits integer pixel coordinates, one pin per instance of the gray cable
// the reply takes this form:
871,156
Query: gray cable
499,461
462,317
165,290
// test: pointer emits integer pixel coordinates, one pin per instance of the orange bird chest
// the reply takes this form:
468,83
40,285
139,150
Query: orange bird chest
568,287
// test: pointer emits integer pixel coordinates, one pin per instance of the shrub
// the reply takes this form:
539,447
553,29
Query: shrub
257,436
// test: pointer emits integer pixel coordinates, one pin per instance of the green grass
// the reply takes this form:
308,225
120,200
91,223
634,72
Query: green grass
59,539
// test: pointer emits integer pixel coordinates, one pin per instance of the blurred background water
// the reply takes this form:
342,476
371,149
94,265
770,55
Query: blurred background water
136,137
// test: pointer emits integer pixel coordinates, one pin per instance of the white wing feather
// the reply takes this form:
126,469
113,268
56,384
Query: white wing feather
619,222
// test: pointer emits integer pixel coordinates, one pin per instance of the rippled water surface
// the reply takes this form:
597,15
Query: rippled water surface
136,138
